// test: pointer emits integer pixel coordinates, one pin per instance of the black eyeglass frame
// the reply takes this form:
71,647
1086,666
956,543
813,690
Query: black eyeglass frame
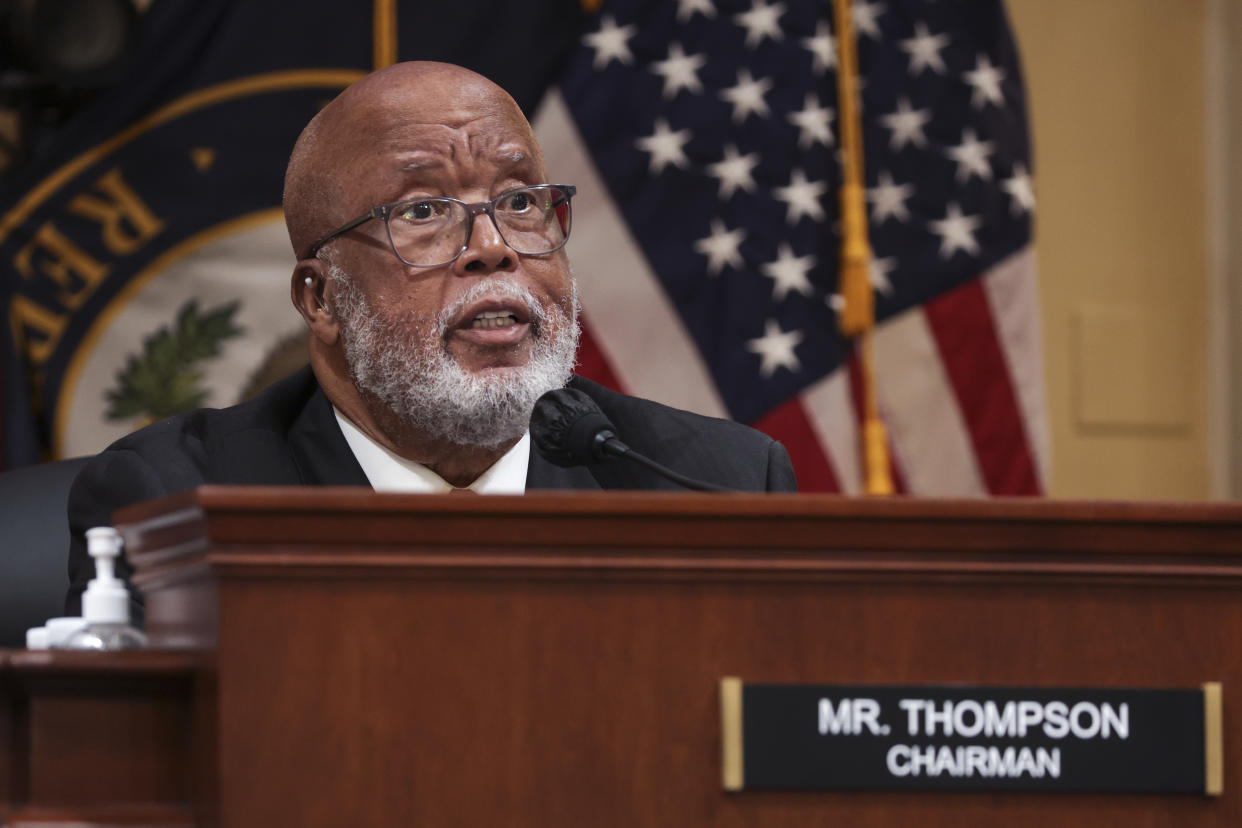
385,211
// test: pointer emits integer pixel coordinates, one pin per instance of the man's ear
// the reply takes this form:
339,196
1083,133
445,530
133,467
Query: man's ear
309,291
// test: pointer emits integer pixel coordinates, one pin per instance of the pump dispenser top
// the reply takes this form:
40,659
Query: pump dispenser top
105,604
106,600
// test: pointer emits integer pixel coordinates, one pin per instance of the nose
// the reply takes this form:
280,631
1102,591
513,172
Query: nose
486,250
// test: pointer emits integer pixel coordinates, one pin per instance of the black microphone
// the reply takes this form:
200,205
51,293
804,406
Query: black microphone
569,429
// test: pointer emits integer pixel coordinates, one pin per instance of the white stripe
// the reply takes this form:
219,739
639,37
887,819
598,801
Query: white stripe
920,408
828,407
629,313
1012,296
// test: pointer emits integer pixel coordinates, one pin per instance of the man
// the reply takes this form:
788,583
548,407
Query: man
433,277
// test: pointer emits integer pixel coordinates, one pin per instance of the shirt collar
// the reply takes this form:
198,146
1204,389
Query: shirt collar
389,472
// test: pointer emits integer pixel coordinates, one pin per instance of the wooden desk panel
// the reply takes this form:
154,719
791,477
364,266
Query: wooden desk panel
466,702
553,659
98,737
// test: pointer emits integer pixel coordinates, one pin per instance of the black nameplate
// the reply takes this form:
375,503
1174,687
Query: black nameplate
781,736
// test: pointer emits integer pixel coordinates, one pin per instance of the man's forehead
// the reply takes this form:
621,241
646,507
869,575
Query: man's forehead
431,98
419,160
424,144
399,118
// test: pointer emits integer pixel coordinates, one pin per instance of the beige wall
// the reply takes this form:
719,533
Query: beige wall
1117,99
1225,29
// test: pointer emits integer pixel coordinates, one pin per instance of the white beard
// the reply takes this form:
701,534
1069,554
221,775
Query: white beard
405,363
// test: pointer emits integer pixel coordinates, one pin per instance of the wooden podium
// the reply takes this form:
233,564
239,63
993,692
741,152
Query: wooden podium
338,657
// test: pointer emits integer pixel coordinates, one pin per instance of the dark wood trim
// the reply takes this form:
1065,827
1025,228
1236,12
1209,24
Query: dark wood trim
353,532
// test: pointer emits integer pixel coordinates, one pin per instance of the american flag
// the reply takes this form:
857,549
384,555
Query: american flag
703,138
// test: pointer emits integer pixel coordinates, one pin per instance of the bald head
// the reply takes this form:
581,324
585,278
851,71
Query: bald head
373,116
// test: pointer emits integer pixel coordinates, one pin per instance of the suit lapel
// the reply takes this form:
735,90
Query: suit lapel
319,449
540,474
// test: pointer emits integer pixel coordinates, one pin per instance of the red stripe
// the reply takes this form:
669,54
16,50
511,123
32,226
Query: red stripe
789,425
592,363
856,398
961,323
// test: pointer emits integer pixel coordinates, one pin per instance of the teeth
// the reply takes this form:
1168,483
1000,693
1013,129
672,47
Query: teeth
493,319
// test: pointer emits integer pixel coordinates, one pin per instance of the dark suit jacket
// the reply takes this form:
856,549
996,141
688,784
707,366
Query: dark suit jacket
288,435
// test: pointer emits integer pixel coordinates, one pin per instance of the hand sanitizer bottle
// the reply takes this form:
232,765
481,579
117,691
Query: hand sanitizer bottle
105,604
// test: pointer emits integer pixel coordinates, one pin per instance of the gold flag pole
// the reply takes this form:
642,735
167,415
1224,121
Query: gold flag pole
856,317
384,33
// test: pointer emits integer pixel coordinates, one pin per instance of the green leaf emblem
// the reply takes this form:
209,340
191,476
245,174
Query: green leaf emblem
166,378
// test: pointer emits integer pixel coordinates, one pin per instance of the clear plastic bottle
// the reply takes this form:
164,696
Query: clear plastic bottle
105,604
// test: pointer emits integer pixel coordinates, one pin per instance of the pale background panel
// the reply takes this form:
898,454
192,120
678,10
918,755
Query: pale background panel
1119,105
1225,178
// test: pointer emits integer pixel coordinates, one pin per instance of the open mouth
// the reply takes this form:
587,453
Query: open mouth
493,314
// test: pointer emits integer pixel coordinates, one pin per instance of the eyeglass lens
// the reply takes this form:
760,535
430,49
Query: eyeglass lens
431,231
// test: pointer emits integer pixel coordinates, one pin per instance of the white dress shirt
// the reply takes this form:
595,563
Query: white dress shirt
390,472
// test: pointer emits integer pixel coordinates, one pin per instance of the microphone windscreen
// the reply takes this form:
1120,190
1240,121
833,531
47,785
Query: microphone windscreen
564,427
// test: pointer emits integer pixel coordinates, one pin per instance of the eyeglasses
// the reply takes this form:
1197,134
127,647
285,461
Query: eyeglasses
430,232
